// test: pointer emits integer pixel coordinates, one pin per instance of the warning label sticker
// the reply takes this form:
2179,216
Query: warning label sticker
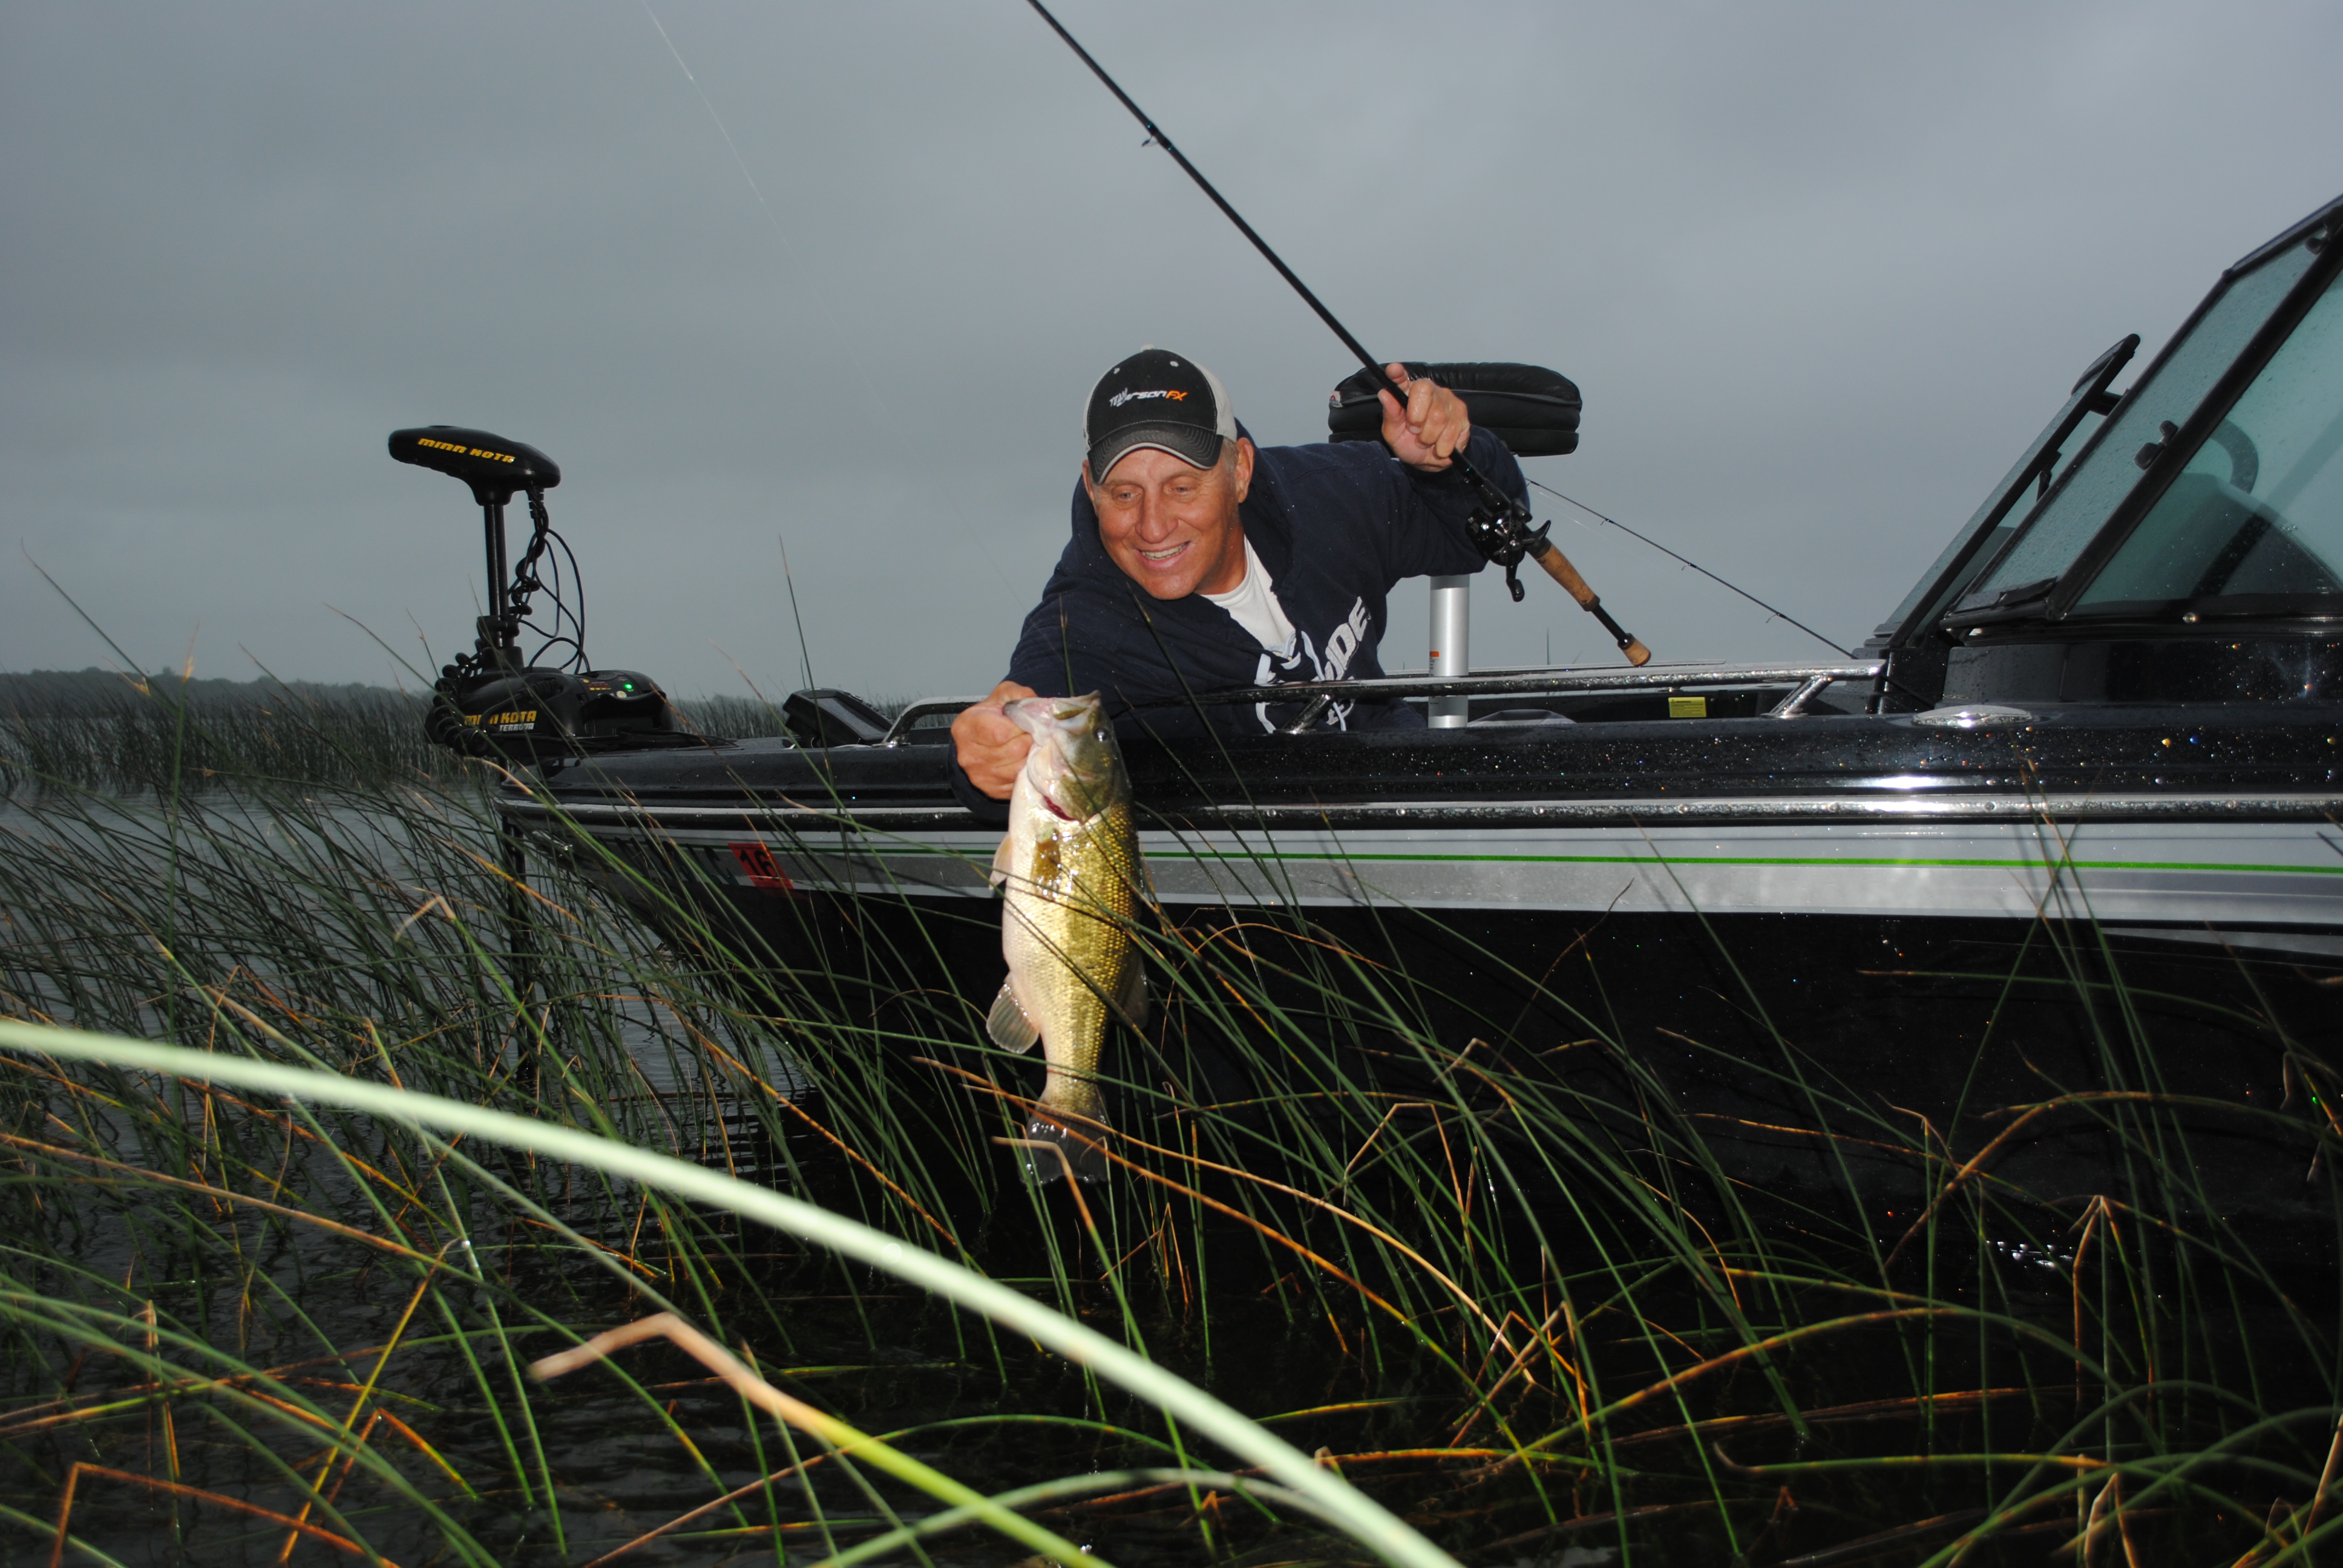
760,870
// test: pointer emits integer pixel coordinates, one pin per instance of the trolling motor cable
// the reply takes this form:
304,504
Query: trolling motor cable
1500,527
526,583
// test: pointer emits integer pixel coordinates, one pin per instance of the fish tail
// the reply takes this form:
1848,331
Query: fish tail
1071,1118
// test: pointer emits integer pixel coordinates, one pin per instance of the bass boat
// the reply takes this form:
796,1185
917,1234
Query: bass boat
2100,738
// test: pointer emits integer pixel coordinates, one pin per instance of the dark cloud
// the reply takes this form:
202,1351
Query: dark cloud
1822,270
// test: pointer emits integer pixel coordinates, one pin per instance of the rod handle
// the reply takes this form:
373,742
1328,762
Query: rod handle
1557,566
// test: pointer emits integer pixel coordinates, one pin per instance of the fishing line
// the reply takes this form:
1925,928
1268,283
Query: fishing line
1886,683
869,390
730,145
1695,566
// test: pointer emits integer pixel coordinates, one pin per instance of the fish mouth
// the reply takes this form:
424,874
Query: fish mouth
1072,754
1035,715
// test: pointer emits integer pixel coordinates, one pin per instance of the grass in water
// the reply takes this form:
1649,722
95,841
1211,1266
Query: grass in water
164,734
1536,1280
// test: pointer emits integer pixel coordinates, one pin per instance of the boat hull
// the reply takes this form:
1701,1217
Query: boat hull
1798,935
2267,868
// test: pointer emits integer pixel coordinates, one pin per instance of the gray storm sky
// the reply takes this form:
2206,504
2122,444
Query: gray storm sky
1821,271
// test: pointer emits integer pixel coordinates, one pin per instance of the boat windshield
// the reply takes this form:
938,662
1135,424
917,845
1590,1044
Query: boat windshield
2082,500
2255,520
1991,525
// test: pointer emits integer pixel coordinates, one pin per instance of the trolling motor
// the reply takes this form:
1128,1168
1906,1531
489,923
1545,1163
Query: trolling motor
491,702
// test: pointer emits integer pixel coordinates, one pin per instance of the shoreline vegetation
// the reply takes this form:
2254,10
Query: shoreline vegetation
1532,1306
156,734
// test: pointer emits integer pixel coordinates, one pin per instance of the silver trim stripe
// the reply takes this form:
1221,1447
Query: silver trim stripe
2276,873
1920,798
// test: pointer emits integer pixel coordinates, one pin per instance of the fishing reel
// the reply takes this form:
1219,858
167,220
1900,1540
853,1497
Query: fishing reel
491,702
1533,410
1504,537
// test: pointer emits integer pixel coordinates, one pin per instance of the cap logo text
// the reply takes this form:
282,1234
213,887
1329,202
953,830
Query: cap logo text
1120,399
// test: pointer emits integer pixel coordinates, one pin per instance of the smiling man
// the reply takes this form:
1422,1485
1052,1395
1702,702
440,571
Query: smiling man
1200,562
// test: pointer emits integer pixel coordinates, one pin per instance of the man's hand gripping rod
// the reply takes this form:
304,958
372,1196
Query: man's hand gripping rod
1501,529
1502,533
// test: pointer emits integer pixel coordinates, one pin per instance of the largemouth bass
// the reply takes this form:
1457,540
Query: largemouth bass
1071,869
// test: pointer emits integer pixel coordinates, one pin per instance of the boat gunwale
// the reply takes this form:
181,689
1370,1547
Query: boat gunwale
1887,804
1530,681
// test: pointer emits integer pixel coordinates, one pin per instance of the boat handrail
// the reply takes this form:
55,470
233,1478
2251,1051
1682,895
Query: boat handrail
1524,680
1530,680
926,707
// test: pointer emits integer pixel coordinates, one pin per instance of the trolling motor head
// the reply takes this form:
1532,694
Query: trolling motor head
490,702
494,467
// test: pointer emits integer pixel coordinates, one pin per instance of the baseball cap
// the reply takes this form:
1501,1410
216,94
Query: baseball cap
1156,398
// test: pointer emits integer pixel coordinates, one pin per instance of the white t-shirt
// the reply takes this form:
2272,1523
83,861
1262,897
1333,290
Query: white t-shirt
1255,608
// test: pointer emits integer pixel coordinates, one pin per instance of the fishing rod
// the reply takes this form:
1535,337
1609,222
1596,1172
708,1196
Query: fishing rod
1500,524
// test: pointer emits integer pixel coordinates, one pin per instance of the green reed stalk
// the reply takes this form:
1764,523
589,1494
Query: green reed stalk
1364,1520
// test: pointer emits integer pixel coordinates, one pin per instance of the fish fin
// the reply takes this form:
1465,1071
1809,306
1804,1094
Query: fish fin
1074,1130
1086,1163
1133,999
1003,866
1007,1024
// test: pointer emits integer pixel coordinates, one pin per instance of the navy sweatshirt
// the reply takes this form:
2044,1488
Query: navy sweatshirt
1337,524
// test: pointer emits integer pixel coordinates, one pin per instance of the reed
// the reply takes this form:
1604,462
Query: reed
1478,1253
161,736
156,738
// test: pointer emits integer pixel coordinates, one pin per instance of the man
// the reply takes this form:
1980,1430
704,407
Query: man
1200,562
